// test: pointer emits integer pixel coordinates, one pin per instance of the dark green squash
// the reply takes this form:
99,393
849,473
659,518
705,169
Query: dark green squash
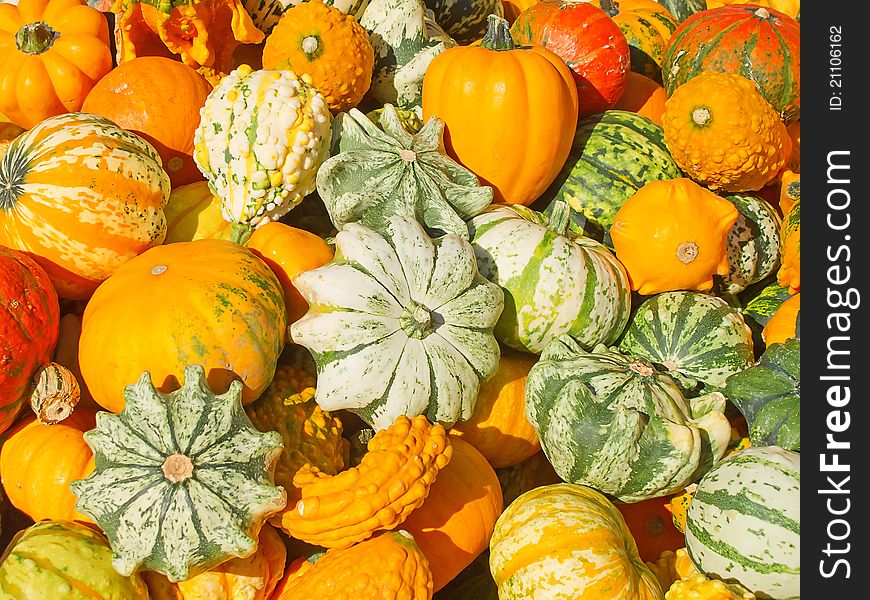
683,9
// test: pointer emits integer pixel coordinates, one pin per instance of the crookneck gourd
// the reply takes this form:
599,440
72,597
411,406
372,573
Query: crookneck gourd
613,422
393,479
399,324
183,481
382,170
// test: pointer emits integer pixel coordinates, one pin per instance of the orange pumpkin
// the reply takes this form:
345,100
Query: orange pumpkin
789,274
53,52
505,109
644,97
38,462
194,213
159,99
455,523
783,324
672,235
289,251
513,8
498,427
652,526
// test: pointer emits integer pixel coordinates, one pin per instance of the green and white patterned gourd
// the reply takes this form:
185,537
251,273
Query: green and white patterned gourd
261,138
698,338
615,423
405,38
744,522
465,20
753,243
399,324
555,282
382,172
266,13
769,396
182,481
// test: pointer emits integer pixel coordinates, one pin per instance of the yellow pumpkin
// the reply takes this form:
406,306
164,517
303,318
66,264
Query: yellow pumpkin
498,427
194,213
567,542
723,133
672,235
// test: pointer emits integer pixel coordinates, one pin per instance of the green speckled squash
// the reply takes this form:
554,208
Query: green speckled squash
405,38
696,337
761,304
753,242
683,9
768,395
399,324
266,13
615,423
383,172
182,481
64,560
614,154
744,522
555,282
465,20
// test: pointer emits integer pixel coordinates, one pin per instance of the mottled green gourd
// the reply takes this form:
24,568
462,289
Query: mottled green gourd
382,172
465,20
753,242
182,481
769,396
405,38
683,9
615,423
399,324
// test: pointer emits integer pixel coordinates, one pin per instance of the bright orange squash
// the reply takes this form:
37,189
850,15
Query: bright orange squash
789,274
643,96
783,324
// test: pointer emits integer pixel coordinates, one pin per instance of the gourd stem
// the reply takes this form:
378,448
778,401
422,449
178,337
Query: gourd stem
498,35
609,6
687,252
241,232
35,38
559,217
55,393
177,468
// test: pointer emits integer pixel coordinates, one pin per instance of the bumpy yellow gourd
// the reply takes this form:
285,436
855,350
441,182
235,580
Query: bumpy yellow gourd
392,480
692,585
723,133
326,44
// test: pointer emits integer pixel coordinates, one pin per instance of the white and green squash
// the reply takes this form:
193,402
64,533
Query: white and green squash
405,38
616,424
399,324
555,281
465,20
266,13
261,138
182,481
696,337
382,172
744,522
768,395
753,243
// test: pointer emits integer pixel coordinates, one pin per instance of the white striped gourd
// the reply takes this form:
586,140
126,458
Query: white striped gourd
399,324
753,242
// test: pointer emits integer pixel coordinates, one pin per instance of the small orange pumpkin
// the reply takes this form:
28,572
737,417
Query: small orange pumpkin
498,427
652,526
672,235
643,96
783,324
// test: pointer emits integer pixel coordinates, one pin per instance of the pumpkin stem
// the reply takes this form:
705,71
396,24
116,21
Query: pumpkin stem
701,115
416,322
241,232
498,35
177,468
55,393
609,6
35,38
559,217
687,252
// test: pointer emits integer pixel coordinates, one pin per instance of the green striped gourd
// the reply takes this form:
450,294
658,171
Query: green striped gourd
760,301
465,20
266,13
768,395
695,336
382,172
683,9
64,560
744,522
614,154
555,281
399,324
261,138
405,38
615,423
753,242
182,481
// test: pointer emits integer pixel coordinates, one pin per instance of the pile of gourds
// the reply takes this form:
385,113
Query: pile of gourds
400,299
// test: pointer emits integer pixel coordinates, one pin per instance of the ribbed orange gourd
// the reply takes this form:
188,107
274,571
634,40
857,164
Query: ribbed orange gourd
723,133
387,566
326,44
783,324
158,99
38,462
53,52
289,251
194,213
498,427
505,108
393,479
672,235
252,578
789,274
455,523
